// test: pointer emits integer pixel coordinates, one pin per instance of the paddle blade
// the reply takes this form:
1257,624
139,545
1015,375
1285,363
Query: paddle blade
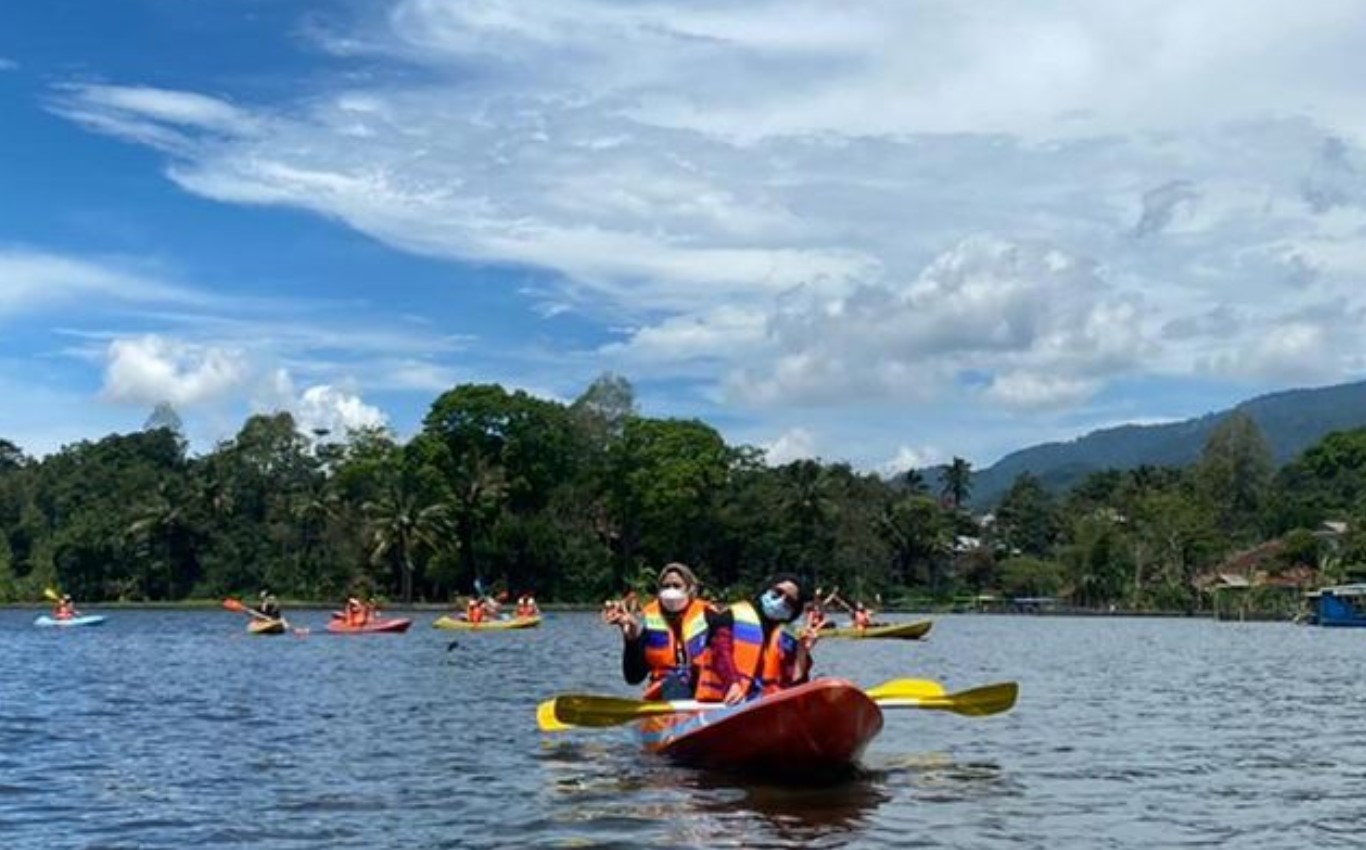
234,605
52,594
545,718
977,702
598,712
906,689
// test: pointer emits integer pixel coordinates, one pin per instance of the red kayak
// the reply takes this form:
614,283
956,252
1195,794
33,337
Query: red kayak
396,624
822,725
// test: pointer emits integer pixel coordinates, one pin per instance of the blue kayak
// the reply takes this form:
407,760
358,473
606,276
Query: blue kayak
87,620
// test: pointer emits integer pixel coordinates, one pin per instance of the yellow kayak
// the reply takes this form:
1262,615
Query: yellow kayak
266,627
896,631
487,625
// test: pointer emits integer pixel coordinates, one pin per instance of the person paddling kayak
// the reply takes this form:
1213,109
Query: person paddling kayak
268,605
668,640
65,609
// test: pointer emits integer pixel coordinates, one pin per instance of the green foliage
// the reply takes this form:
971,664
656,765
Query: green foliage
583,501
9,587
1026,576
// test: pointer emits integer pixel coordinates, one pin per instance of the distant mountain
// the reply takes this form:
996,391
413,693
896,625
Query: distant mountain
1292,421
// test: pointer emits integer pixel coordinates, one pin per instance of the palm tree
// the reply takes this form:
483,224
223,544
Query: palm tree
957,482
808,503
480,488
400,526
163,520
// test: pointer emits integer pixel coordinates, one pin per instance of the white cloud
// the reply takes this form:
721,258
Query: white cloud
149,369
1033,320
997,207
907,458
8,64
793,444
328,408
33,280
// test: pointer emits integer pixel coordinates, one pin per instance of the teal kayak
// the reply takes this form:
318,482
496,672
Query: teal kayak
87,620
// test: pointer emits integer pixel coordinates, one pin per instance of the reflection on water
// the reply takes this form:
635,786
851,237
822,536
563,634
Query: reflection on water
171,730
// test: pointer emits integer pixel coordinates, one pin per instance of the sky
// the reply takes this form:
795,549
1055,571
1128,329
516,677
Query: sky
887,232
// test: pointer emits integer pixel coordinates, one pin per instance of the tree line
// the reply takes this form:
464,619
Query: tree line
576,502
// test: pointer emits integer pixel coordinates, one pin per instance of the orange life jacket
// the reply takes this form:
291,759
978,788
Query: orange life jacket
759,665
355,612
65,611
666,657
474,611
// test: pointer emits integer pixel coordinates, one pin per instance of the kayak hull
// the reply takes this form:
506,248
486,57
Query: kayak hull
394,625
88,620
895,631
453,624
266,627
804,733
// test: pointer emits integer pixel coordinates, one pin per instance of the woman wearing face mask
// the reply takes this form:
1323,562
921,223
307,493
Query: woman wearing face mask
669,640
765,652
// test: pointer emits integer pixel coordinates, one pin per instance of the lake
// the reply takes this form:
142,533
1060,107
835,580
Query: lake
172,729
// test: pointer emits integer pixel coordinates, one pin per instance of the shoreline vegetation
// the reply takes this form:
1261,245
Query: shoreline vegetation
572,607
505,493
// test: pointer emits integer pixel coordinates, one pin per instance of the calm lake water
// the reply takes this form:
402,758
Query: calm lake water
175,729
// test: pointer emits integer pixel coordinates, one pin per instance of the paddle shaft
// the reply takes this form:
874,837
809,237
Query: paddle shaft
238,605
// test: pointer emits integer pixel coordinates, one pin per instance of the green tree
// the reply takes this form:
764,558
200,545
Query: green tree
1234,473
401,527
957,485
1026,520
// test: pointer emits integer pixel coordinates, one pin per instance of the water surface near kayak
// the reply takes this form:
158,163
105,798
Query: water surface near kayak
167,729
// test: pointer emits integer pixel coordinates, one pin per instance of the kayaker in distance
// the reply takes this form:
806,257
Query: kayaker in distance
863,618
526,606
356,613
765,654
668,640
65,609
269,606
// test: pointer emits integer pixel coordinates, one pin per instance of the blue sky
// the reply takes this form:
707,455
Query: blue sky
881,232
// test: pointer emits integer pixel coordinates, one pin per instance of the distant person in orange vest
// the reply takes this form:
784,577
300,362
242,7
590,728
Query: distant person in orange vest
356,613
474,610
863,618
65,609
526,606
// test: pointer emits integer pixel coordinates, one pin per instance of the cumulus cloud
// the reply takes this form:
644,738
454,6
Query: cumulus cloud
327,408
907,458
793,444
1034,320
150,369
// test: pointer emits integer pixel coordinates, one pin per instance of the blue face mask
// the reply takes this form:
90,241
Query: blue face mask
776,607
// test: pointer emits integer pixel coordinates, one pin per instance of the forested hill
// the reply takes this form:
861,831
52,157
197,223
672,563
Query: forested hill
1292,421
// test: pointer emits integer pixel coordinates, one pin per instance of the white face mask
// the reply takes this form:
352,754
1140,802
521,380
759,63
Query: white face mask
673,599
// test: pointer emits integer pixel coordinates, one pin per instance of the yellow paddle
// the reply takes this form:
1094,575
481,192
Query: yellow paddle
977,702
571,710
52,594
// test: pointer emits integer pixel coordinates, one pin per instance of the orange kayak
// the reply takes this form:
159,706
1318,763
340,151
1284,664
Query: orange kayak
808,730
381,626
